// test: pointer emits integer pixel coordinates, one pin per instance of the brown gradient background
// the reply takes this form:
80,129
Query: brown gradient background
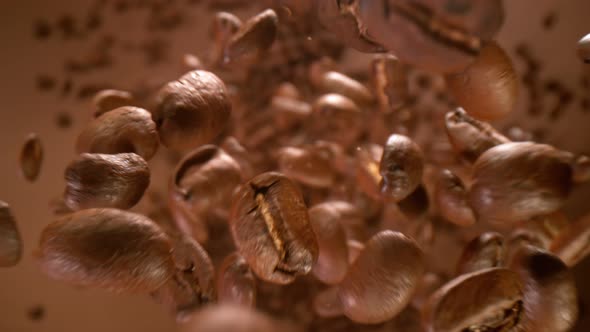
26,110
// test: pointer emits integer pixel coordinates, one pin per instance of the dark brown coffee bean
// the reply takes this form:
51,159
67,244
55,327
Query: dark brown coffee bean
338,83
382,280
326,303
337,119
223,318
11,246
202,184
470,137
485,251
342,19
108,100
257,34
550,297
235,282
106,248
103,180
310,166
488,88
573,244
390,81
192,111
31,157
223,27
193,283
450,196
332,263
123,130
584,49
401,167
440,36
517,181
270,227
486,300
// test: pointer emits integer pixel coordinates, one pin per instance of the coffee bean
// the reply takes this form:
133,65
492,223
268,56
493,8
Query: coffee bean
450,196
310,166
31,157
235,282
390,82
108,100
338,83
223,27
337,119
484,252
584,49
257,34
573,244
401,167
11,246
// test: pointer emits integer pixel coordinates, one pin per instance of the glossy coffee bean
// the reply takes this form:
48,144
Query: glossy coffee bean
11,246
401,167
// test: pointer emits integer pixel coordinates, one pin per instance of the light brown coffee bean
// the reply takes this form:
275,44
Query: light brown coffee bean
382,280
368,177
106,248
11,246
223,318
310,166
401,167
342,19
192,111
326,303
573,245
123,130
450,196
338,83
488,88
256,34
332,262
486,300
389,77
439,36
202,184
271,229
235,282
110,99
470,137
584,48
103,180
223,27
337,119
550,297
193,283
517,181
485,251
31,157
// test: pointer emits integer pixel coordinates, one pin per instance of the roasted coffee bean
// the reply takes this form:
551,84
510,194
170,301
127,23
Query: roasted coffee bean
550,297
573,244
488,88
223,27
257,34
104,180
337,119
368,177
338,83
401,167
106,248
192,111
486,300
342,19
440,36
123,130
382,280
270,227
31,157
485,251
390,82
11,246
584,49
202,184
450,196
332,262
310,166
235,282
470,137
193,283
326,303
517,181
108,100
223,318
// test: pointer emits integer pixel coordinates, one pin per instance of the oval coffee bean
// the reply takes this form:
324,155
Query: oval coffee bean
271,229
381,281
31,157
104,180
108,100
11,246
235,282
401,167
488,88
517,181
338,83
122,130
106,248
485,251
258,33
584,48
336,118
192,111
451,199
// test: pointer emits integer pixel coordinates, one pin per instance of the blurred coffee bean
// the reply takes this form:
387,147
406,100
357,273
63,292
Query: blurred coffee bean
11,245
337,119
236,284
223,318
338,83
326,303
31,157
573,245
485,251
310,166
223,27
108,100
584,48
450,196
256,34
389,78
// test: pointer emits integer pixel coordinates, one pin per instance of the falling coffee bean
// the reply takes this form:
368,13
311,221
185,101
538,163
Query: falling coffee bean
258,33
107,100
485,251
11,246
401,167
31,157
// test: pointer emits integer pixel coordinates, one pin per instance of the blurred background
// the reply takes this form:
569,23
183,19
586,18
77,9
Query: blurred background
44,88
